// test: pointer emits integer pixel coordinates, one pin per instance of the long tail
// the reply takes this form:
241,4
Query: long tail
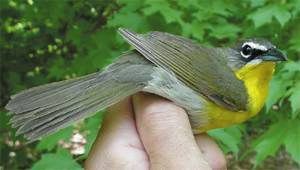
42,110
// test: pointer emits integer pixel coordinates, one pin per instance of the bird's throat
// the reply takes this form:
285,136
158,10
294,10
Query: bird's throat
256,79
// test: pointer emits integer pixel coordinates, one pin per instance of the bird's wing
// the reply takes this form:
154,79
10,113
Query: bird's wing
202,69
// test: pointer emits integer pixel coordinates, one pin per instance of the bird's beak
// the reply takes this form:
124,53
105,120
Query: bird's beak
273,54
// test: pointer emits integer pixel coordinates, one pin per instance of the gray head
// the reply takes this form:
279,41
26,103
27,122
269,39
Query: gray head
254,51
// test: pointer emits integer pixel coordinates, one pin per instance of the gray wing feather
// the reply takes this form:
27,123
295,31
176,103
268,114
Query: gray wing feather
204,70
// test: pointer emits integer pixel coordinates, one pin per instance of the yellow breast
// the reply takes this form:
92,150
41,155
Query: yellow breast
256,79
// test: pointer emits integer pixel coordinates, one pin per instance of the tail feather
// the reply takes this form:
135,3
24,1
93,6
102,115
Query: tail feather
45,109
66,119
44,89
56,113
53,93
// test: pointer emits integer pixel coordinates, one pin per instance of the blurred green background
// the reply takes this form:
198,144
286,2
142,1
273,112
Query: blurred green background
50,40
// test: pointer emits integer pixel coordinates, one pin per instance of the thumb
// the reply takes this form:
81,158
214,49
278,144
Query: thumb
165,131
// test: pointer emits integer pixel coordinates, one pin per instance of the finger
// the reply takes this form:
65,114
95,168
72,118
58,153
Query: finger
211,151
118,145
165,131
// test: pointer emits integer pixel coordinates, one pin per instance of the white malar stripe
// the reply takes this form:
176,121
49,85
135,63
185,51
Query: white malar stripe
255,46
254,62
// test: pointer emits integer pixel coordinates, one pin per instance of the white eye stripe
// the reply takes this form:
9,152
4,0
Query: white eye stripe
255,46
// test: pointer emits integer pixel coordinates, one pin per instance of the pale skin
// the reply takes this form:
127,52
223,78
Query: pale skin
148,132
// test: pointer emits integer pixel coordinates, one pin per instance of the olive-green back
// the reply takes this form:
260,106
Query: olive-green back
205,70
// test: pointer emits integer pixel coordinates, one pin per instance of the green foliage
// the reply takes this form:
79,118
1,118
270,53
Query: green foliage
60,160
294,100
50,142
229,138
264,15
284,84
51,40
91,127
291,141
285,132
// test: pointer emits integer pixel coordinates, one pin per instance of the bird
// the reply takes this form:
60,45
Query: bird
216,86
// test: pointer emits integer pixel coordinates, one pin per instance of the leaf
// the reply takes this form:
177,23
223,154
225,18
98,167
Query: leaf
256,3
225,31
282,14
57,69
261,16
296,7
292,139
229,138
270,141
4,119
61,160
195,29
128,6
15,81
163,7
92,126
202,15
295,100
295,39
39,12
292,66
78,33
277,89
281,82
187,3
50,142
265,14
132,20
221,7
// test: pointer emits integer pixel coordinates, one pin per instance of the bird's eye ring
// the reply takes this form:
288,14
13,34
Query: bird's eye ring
246,51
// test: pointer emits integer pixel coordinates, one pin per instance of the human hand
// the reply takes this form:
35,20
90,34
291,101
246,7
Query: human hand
149,132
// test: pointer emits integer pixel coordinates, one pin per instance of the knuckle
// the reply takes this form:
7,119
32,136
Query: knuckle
165,115
116,160
124,158
219,163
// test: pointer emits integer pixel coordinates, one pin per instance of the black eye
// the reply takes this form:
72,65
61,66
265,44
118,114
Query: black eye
246,51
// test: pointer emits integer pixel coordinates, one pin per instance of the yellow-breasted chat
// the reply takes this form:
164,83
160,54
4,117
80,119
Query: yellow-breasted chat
217,87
